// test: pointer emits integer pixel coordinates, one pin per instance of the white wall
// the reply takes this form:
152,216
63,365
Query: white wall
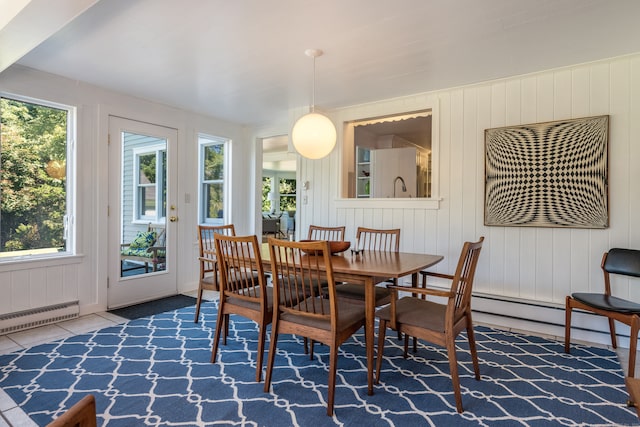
532,265
26,285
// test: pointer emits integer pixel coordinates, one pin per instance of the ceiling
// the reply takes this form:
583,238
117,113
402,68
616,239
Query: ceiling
243,61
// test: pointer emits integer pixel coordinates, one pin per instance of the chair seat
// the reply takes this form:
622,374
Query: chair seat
253,305
356,292
416,312
350,314
609,303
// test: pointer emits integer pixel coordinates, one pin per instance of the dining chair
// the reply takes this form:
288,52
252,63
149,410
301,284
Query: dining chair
317,232
243,289
370,239
435,322
633,387
308,308
623,263
208,266
81,414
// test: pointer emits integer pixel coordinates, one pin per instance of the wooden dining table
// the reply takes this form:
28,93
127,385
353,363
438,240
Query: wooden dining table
369,268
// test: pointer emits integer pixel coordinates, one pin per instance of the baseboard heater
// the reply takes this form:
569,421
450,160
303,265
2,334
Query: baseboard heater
551,315
26,319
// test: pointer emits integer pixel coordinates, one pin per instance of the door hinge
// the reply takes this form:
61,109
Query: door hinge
107,282
108,139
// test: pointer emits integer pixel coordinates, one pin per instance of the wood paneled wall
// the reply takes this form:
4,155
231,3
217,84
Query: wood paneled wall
537,266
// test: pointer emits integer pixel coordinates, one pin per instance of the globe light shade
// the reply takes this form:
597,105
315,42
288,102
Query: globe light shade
314,136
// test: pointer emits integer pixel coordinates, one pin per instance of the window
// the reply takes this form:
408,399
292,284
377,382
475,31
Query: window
267,195
213,161
151,175
287,191
36,179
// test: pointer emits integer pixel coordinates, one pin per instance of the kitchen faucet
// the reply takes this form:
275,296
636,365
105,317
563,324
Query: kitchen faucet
404,187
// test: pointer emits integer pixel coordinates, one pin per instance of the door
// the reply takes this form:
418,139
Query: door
142,212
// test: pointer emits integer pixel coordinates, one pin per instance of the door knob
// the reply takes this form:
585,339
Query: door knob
173,218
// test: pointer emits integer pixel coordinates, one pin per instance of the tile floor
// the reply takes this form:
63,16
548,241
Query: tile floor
12,415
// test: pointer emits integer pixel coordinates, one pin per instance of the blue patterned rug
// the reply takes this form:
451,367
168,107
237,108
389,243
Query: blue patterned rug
155,371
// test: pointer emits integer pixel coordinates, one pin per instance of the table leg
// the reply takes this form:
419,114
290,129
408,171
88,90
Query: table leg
370,316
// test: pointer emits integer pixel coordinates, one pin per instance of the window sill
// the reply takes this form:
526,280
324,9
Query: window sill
415,203
31,262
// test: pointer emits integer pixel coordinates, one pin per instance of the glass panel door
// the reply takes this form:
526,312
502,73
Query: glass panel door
141,219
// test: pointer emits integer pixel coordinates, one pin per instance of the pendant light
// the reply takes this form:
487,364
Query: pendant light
314,135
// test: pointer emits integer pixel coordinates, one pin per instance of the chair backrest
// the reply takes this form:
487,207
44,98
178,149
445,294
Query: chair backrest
206,240
317,232
622,261
82,414
308,289
372,239
241,270
625,262
462,283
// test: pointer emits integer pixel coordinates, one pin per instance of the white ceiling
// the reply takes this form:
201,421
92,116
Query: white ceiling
244,61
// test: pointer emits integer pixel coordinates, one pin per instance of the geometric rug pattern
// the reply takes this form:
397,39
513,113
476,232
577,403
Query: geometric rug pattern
155,371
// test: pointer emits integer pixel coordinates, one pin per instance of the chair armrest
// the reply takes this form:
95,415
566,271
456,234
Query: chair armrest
434,274
423,291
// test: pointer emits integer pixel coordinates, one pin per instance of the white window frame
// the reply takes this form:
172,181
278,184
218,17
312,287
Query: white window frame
138,217
204,141
70,231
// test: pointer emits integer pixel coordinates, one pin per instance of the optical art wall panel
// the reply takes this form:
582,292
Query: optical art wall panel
551,174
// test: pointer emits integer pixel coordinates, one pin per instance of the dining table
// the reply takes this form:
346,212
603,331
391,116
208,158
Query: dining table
368,268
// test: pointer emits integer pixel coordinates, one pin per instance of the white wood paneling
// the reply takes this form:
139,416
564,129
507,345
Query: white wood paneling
536,265
35,283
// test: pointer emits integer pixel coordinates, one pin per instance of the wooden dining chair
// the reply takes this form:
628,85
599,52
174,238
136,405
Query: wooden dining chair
308,308
243,289
81,414
435,322
209,274
317,232
624,263
370,239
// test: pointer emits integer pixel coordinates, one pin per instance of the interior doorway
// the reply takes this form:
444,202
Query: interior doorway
279,188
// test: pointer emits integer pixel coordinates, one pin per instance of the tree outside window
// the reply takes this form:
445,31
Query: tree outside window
212,179
33,177
287,190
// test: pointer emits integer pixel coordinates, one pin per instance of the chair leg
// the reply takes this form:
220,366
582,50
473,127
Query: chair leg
261,340
216,337
272,354
333,367
406,346
567,325
453,367
633,344
472,347
226,328
198,302
612,331
382,329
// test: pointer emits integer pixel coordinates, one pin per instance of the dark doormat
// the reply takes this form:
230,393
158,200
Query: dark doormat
150,308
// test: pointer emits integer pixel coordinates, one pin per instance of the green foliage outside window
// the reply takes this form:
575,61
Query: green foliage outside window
287,191
32,176
266,188
213,178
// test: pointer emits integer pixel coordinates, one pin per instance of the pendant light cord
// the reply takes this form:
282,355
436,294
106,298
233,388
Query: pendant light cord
313,94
